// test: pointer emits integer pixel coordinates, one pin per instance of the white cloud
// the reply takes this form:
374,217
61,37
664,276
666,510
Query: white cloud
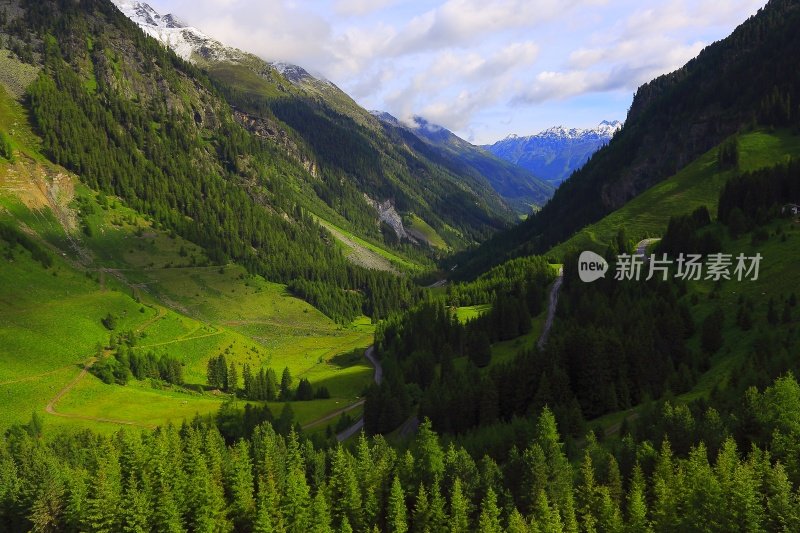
361,7
462,23
461,62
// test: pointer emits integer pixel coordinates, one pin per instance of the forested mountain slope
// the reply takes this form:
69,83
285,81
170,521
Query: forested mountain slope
519,187
339,142
133,120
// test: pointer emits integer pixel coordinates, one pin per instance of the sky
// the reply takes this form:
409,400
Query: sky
482,68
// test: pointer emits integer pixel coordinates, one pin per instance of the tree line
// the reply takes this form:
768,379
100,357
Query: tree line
189,478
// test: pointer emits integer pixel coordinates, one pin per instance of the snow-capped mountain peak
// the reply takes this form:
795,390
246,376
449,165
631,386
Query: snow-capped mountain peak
143,14
604,129
609,127
556,152
189,42
185,40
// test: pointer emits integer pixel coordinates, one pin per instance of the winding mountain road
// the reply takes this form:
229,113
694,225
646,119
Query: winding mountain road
378,377
641,246
551,308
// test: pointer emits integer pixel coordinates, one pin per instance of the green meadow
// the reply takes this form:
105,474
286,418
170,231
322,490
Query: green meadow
164,290
419,226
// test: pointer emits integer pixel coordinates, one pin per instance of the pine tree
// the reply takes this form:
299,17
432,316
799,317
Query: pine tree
609,517
437,516
320,517
268,518
489,520
137,509
241,486
534,476
783,507
270,386
559,471
421,511
396,512
667,491
286,385
45,512
345,496
205,498
586,496
295,498
517,523
637,504
429,464
547,518
459,509
247,379
105,492
614,480
233,379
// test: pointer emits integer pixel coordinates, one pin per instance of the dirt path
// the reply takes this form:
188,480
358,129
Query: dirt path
551,308
51,405
334,414
160,313
613,429
182,339
641,246
369,353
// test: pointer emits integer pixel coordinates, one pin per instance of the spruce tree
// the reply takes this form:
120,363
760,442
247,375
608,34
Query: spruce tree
240,486
137,509
320,517
429,463
105,492
421,512
396,511
459,509
286,385
295,497
637,520
545,516
233,379
343,490
489,519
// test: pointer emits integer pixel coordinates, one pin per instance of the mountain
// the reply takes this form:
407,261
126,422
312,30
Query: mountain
328,133
517,186
739,83
555,153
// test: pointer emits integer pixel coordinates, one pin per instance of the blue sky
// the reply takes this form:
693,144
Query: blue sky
482,68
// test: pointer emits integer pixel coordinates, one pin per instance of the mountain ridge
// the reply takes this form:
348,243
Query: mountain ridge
317,124
516,185
556,152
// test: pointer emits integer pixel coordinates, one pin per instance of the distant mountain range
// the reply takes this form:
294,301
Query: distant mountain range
518,186
555,153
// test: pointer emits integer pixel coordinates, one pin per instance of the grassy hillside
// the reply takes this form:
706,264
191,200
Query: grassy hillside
107,258
422,230
53,317
698,184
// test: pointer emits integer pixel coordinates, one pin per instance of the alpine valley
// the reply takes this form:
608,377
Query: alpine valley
233,299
